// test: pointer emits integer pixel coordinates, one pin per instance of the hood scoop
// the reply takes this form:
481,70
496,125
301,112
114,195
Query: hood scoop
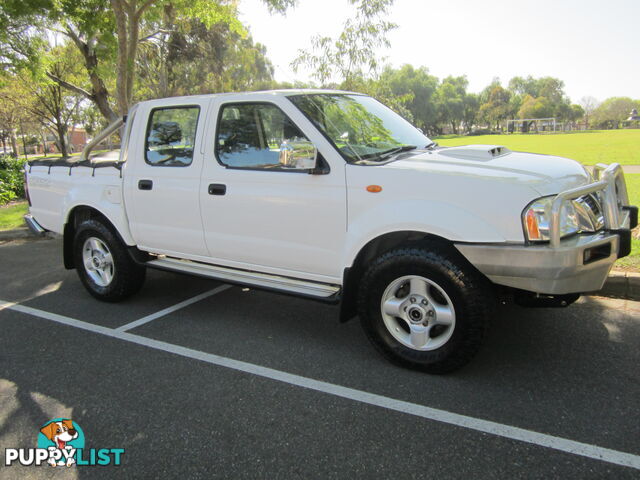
475,152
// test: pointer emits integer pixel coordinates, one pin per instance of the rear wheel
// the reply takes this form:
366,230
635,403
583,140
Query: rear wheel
103,264
423,307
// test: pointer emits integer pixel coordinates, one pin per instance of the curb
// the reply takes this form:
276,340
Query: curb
619,284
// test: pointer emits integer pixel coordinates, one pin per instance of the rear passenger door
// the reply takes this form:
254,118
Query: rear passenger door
163,178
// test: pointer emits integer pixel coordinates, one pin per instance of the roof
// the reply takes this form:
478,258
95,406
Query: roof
280,92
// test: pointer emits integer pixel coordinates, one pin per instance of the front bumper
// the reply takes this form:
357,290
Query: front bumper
544,269
572,265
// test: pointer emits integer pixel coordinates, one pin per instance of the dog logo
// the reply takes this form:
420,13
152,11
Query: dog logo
61,436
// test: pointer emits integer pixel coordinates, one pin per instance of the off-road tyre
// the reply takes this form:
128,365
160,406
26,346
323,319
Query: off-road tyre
471,295
126,276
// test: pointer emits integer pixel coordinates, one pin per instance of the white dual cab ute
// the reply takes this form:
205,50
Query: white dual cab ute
331,195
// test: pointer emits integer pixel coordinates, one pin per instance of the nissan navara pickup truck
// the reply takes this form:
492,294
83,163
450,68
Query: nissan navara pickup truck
330,195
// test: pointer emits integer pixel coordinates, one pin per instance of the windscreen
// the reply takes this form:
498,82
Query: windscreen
359,126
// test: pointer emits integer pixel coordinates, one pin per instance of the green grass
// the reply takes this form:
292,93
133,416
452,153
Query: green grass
51,156
633,187
589,148
11,215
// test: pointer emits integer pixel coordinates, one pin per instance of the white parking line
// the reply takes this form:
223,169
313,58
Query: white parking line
172,309
514,433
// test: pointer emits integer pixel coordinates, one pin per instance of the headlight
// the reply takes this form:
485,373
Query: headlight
576,216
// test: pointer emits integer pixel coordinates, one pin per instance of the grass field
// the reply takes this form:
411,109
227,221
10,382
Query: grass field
589,148
633,187
53,156
11,215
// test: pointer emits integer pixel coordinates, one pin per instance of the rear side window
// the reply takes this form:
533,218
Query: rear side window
171,136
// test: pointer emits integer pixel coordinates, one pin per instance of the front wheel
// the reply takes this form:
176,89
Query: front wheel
103,263
424,308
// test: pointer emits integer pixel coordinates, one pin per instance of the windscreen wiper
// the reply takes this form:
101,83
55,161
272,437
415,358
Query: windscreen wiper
384,155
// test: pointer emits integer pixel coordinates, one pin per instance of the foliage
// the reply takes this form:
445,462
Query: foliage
496,108
107,34
588,104
12,114
53,106
11,179
613,111
633,187
409,91
187,57
450,101
539,107
354,54
589,147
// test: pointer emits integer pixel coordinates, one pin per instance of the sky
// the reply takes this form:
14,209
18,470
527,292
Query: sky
592,45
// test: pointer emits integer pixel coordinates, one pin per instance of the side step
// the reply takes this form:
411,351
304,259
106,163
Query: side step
244,277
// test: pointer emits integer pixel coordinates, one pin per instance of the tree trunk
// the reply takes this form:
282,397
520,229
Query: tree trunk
62,138
44,143
121,80
133,34
99,94
128,16
24,144
14,142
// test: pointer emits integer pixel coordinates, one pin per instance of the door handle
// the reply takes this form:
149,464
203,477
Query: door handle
145,184
217,189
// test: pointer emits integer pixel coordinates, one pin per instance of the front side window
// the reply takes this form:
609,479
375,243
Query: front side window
171,136
261,136
359,126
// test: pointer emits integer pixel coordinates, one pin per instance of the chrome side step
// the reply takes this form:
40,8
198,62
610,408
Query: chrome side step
244,277
33,225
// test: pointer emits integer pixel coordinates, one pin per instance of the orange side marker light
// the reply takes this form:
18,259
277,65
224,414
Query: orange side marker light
532,226
374,188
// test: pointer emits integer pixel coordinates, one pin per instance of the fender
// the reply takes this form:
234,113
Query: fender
108,201
430,217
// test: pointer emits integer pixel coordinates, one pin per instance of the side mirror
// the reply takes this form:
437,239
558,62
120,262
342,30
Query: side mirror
321,167
302,155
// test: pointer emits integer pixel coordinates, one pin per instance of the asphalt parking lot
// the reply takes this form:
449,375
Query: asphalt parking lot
196,380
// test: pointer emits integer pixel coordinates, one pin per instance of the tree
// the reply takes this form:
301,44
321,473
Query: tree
539,107
496,108
577,112
411,90
613,111
187,57
12,94
554,102
470,113
55,108
108,32
354,54
589,104
450,101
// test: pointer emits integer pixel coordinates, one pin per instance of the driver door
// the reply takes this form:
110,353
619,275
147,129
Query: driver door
261,209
